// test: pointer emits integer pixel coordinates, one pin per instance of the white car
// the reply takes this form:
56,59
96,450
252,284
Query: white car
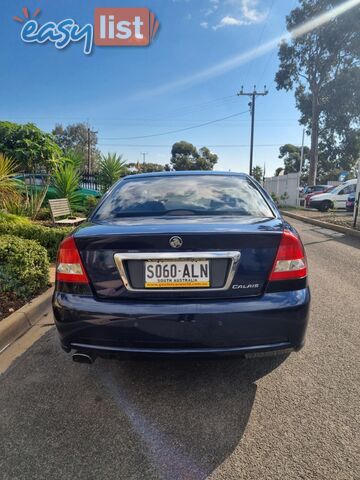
336,198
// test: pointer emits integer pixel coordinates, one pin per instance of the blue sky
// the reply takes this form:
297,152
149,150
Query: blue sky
179,81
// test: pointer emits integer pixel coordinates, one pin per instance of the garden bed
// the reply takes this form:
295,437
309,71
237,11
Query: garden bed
335,217
9,303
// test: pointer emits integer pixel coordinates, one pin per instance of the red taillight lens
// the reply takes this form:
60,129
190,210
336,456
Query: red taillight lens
290,262
69,267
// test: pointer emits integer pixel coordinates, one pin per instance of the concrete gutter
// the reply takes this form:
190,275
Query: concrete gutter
19,322
319,223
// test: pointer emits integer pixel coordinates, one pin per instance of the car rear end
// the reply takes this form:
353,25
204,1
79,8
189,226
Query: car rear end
204,283
350,203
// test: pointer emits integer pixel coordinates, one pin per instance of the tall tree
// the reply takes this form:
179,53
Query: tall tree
317,63
257,173
291,156
74,137
32,148
207,159
337,156
141,167
184,156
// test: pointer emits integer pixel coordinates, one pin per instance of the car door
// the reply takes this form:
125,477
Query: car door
342,195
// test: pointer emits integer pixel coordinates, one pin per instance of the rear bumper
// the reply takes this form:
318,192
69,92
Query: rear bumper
274,321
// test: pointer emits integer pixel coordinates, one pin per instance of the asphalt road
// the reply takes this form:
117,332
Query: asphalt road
283,418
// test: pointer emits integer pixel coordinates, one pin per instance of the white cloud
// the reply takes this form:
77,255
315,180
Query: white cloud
228,20
220,68
251,12
246,13
204,24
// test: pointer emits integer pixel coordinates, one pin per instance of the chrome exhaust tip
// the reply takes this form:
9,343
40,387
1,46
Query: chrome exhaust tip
81,357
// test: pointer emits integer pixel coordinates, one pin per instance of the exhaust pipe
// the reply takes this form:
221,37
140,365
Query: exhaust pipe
81,357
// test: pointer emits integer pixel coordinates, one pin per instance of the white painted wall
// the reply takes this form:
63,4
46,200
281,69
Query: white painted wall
284,184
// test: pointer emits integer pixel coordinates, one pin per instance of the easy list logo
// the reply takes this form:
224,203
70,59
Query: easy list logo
121,27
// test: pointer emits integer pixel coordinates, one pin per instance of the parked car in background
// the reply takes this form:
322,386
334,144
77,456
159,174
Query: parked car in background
35,183
335,198
350,203
182,263
311,195
312,189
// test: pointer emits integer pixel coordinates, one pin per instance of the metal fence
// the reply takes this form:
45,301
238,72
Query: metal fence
91,181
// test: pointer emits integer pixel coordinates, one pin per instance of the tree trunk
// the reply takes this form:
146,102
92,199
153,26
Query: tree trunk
314,151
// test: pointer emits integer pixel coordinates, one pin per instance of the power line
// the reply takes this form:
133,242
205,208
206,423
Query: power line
225,124
183,129
203,104
228,145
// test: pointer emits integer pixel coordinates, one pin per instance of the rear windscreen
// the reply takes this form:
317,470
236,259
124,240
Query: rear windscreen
183,195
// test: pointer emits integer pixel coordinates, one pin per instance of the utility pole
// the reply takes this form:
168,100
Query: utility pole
89,132
357,198
264,174
144,155
301,167
253,96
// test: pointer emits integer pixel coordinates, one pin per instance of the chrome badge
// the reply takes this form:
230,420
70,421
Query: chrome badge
175,242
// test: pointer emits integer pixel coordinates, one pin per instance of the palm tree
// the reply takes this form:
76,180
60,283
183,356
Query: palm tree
111,169
74,158
66,180
8,184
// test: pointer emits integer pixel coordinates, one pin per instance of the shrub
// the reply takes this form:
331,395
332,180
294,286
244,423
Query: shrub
66,180
8,184
48,237
44,214
274,197
24,266
13,219
91,203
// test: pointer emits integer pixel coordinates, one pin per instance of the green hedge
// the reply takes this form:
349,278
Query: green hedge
24,266
48,237
13,219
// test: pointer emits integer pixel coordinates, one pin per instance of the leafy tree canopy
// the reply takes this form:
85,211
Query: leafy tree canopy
291,155
32,148
141,167
184,156
257,173
324,68
74,138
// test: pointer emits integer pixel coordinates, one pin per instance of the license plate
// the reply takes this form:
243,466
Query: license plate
177,273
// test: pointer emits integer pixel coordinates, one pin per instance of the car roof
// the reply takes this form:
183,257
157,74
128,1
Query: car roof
186,173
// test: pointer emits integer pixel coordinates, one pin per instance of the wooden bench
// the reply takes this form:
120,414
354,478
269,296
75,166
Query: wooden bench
59,207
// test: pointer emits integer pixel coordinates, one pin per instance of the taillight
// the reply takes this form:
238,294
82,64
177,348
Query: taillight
290,262
69,267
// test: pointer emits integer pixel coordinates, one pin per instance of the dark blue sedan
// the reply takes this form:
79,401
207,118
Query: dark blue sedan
182,263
